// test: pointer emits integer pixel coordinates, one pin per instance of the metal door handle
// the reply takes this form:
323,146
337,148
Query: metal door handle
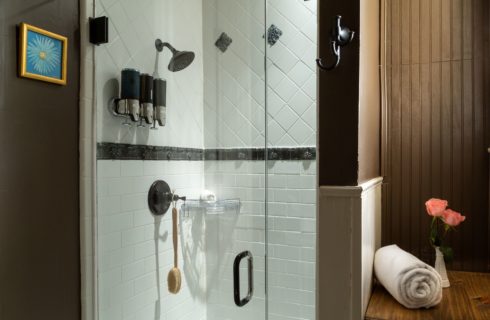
236,278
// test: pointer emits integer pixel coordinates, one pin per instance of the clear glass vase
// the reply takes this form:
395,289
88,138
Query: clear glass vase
440,267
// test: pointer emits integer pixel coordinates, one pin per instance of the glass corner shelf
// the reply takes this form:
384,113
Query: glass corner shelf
211,207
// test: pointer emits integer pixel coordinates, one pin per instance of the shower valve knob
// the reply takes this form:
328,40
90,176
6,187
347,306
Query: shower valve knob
160,198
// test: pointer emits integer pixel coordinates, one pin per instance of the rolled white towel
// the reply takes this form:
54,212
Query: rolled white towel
410,281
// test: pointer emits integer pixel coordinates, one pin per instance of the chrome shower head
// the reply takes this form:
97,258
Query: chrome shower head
180,59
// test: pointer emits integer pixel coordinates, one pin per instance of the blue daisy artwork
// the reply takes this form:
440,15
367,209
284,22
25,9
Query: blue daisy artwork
43,55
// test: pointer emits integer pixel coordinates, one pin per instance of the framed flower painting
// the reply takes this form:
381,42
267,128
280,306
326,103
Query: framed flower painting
42,54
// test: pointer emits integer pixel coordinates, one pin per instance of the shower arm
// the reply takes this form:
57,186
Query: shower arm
159,45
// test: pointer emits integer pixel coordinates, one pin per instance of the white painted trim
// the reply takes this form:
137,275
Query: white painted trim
348,231
367,185
351,191
341,191
87,148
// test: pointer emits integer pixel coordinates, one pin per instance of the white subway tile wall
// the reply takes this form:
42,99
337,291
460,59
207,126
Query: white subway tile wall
291,231
135,248
127,264
234,86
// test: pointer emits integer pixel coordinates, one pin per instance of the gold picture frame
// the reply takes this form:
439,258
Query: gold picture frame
42,55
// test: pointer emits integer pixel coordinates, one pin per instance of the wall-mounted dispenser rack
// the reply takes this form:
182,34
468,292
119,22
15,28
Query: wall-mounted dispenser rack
142,100
160,197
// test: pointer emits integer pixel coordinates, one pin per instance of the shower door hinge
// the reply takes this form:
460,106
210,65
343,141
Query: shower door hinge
99,30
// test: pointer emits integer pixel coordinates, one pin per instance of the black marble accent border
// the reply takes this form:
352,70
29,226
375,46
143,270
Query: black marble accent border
299,153
117,151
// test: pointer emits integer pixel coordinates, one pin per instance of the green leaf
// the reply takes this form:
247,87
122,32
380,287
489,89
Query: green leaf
448,253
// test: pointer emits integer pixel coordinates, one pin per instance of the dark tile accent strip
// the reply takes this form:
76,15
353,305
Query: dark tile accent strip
300,153
116,151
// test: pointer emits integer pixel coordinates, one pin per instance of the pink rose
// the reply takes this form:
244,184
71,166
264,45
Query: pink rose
452,218
435,207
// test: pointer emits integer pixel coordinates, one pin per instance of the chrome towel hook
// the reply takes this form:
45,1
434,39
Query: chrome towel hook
340,37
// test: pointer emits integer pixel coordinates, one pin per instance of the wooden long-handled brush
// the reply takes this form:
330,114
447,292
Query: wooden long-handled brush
174,278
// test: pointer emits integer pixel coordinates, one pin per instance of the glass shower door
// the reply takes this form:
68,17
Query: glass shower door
211,149
234,166
238,141
291,164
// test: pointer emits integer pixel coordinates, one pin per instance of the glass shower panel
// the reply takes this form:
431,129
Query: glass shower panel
291,165
234,140
211,150
239,142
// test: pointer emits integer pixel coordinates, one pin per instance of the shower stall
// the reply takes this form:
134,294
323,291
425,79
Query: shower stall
235,144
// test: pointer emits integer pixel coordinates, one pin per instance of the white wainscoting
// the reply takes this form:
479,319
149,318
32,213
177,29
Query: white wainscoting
349,231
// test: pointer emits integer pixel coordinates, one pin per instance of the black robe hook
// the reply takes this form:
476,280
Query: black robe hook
340,36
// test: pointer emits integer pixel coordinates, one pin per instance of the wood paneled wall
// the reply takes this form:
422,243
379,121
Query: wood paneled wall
436,90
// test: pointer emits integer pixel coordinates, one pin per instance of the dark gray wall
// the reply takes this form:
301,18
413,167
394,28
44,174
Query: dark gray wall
349,97
39,207
338,99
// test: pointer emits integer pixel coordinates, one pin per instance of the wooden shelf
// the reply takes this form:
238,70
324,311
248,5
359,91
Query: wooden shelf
468,298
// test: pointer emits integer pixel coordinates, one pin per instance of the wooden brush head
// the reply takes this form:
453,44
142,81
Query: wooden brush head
174,280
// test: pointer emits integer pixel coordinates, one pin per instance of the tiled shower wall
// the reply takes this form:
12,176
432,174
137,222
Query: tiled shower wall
291,231
128,278
234,94
133,28
127,268
135,248
218,101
